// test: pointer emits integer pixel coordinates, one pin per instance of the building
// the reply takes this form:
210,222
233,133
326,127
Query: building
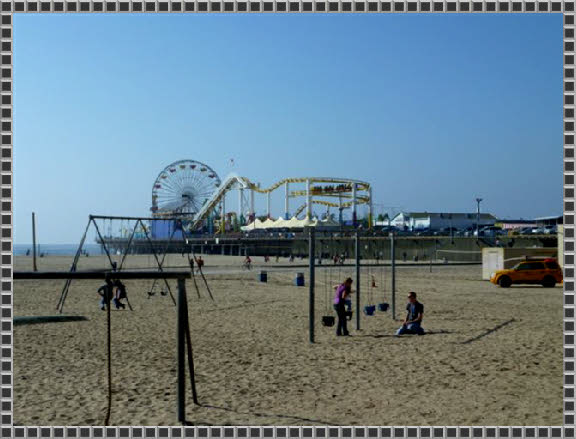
438,221
549,220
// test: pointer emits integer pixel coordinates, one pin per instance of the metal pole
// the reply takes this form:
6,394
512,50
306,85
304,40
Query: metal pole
371,210
393,274
354,216
223,219
357,254
108,292
308,200
311,262
240,204
181,334
189,345
478,200
287,202
35,268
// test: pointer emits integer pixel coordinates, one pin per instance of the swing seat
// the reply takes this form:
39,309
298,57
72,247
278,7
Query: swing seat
151,293
369,310
383,307
328,320
348,315
163,293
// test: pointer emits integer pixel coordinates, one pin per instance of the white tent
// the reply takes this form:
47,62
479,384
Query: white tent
257,224
268,223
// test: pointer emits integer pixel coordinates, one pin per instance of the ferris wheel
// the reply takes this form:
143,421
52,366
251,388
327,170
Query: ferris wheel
183,187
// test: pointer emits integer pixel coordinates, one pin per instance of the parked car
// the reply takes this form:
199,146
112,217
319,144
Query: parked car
489,231
545,272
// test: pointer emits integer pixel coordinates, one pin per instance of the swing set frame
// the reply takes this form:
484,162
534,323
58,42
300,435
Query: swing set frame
139,221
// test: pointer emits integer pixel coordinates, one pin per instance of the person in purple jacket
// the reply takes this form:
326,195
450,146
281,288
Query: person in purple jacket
343,292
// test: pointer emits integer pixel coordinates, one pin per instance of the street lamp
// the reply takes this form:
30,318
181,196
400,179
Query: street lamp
478,200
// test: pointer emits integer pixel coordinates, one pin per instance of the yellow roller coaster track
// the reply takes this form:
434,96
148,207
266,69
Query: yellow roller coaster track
360,185
232,180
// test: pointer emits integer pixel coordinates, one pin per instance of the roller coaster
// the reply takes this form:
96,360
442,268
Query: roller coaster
192,188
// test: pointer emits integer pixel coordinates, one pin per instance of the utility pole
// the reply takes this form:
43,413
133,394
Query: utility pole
393,277
35,268
478,200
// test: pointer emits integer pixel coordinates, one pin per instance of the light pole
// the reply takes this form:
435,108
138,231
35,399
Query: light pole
478,201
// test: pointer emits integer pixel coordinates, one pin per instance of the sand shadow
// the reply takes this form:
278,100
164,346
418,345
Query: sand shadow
437,332
489,331
267,415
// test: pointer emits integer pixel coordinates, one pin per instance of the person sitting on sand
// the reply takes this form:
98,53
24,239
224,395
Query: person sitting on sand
343,292
114,297
414,315
120,294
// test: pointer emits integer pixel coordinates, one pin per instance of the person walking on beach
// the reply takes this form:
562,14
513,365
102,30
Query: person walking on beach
414,314
343,292
199,264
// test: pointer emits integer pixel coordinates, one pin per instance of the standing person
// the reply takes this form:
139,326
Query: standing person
248,263
103,291
343,292
199,264
414,315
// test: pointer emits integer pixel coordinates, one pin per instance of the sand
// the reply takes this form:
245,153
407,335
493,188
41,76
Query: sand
255,366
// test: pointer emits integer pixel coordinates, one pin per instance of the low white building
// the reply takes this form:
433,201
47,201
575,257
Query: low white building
438,221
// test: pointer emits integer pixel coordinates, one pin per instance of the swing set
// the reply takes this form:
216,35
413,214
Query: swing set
159,258
374,290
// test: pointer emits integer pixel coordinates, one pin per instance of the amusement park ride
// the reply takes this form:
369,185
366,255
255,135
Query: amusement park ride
192,190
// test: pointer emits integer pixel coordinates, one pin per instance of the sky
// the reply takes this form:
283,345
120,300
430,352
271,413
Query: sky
433,110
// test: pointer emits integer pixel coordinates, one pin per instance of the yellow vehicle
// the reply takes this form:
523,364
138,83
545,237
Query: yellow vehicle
545,272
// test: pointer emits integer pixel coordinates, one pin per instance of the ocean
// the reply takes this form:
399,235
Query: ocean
55,249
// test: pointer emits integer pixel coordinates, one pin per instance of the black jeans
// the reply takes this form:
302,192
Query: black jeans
340,309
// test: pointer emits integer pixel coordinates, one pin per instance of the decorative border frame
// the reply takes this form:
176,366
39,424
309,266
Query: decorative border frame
7,8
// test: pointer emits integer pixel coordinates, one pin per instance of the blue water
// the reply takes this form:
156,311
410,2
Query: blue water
56,249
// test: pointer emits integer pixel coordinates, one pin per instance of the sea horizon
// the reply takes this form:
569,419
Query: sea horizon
54,249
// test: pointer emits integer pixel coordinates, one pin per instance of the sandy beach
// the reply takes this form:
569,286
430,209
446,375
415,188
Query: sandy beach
254,363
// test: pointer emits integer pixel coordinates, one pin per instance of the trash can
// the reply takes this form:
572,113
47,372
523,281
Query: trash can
299,281
263,276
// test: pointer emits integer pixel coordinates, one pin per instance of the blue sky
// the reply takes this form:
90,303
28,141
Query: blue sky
433,110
